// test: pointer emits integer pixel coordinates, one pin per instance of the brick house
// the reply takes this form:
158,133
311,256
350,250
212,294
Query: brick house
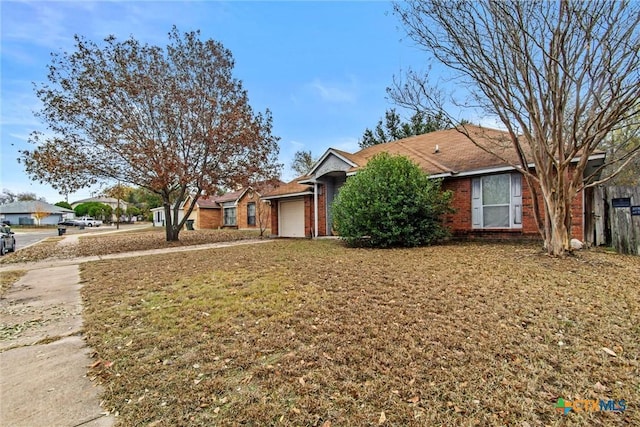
237,209
491,197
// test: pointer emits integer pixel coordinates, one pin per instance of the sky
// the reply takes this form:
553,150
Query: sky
322,68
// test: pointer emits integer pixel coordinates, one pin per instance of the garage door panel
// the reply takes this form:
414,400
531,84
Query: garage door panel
292,218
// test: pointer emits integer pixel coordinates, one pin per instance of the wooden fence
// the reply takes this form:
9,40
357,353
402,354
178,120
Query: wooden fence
616,218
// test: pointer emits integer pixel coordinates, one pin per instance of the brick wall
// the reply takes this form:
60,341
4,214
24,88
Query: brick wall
274,217
460,223
208,218
309,212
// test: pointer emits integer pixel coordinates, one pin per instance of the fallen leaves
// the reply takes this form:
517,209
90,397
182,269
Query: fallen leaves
470,339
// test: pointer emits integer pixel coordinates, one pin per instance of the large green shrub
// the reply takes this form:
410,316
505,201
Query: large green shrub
391,202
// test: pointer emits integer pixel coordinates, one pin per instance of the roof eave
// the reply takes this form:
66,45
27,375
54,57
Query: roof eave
284,196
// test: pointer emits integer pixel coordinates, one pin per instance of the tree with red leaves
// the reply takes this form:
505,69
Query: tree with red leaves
171,120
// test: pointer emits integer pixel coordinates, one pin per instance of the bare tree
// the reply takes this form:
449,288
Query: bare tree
618,145
263,215
302,162
171,120
560,76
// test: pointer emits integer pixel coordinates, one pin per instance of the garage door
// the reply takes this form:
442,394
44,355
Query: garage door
292,218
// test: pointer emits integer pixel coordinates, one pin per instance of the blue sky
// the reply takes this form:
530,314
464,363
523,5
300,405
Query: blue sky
321,67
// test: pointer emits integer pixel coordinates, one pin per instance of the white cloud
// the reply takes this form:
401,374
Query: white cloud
335,93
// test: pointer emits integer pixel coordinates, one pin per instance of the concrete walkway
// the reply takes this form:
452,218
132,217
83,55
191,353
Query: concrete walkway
43,356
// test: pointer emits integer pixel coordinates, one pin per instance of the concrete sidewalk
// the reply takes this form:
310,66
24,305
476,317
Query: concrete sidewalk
43,356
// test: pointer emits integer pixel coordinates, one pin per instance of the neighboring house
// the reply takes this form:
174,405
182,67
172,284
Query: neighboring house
237,209
33,212
159,217
113,202
491,197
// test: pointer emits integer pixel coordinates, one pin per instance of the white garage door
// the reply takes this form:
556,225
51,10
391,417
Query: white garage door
292,218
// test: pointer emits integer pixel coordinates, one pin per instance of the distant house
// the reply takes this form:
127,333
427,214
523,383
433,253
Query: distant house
490,196
159,216
33,212
109,201
237,209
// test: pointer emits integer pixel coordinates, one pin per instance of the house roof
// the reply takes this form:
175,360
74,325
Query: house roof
31,206
232,196
291,188
448,151
215,202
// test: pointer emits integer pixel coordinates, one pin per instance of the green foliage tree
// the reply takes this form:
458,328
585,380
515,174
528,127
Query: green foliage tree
94,209
391,202
394,128
132,211
64,204
144,200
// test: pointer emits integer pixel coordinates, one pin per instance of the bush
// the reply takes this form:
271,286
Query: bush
391,202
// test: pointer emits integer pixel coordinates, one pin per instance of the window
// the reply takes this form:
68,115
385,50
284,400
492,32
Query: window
229,215
251,213
497,201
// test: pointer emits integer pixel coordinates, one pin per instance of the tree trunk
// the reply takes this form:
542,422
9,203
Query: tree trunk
558,219
171,231
557,243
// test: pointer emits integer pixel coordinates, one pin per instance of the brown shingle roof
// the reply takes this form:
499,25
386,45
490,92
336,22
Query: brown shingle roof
207,202
292,187
456,152
230,197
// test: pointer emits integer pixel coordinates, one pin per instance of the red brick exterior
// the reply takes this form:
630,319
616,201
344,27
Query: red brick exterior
460,223
242,220
274,218
309,211
213,217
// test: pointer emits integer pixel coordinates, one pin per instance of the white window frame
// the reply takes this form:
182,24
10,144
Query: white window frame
515,202
227,207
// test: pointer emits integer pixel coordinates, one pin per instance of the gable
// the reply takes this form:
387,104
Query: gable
331,161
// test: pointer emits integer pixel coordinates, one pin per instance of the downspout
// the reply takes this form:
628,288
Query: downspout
315,208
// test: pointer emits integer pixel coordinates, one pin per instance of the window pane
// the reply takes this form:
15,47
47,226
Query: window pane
251,214
230,216
496,216
495,189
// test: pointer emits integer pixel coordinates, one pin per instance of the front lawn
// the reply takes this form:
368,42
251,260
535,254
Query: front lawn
100,243
310,333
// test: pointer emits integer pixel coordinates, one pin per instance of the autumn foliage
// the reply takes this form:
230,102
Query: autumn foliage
171,120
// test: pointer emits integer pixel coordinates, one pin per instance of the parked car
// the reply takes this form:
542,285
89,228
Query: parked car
7,240
89,221
69,222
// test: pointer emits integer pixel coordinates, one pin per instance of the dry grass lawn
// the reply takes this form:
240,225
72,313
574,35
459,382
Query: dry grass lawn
127,241
310,333
8,278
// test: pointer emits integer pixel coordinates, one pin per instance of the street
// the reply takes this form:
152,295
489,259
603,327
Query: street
24,239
